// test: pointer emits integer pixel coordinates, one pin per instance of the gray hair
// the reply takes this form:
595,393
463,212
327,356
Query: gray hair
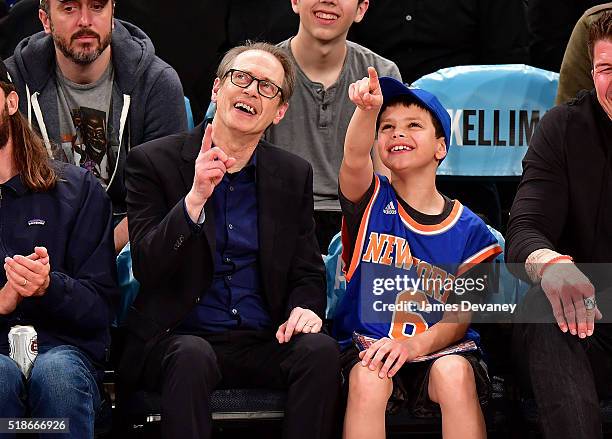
279,53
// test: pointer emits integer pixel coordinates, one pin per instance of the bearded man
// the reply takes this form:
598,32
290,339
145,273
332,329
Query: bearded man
86,62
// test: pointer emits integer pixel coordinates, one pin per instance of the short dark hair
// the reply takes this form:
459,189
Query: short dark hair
279,53
406,101
600,29
44,5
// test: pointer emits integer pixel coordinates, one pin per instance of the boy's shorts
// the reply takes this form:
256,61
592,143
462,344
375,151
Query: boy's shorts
410,384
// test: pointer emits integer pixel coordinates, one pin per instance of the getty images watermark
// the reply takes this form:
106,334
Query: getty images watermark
426,294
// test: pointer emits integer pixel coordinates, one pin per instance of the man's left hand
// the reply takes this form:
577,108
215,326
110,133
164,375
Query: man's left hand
300,320
29,275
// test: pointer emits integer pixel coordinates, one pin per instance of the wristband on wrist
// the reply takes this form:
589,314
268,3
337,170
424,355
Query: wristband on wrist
554,261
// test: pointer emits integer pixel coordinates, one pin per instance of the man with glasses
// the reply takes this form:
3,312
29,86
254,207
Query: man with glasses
232,281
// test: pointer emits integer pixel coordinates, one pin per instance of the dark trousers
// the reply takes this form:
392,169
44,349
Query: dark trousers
567,375
187,368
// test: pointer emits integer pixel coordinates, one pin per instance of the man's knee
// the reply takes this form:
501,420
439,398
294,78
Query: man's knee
318,356
60,370
10,374
189,353
319,350
12,382
62,384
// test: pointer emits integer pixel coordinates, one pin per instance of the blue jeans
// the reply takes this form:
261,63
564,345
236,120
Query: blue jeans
62,385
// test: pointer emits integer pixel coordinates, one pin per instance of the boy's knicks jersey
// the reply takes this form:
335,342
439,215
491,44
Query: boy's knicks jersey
402,273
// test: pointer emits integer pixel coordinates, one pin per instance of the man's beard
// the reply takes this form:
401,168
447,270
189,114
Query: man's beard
81,57
5,129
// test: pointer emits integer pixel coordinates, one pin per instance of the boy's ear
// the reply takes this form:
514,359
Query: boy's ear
294,6
361,10
440,148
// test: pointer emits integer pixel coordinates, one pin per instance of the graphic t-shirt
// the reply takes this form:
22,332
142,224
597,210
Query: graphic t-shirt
87,140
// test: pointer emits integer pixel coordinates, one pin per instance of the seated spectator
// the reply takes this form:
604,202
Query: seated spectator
59,276
560,231
247,308
319,114
94,88
576,66
416,226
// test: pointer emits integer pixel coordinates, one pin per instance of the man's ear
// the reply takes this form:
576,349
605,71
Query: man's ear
45,20
280,113
215,90
12,102
294,6
440,148
361,10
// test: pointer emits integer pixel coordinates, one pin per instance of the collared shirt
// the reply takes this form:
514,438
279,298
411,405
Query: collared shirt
73,222
234,299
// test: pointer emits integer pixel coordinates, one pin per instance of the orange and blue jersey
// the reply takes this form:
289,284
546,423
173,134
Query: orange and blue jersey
397,261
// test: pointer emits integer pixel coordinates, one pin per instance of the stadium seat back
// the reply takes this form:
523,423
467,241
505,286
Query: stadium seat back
494,110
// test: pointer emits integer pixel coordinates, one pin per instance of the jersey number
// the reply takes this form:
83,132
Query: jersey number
407,323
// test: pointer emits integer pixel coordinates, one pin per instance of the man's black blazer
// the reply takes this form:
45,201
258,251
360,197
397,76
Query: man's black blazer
174,264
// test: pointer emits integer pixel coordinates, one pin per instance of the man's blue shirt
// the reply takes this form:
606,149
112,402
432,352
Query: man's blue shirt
234,299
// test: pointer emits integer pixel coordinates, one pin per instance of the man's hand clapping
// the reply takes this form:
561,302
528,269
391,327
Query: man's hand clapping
210,167
29,275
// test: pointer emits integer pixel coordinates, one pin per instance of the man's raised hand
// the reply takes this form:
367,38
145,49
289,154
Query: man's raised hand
366,92
210,167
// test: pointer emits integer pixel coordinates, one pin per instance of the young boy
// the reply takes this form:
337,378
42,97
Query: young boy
405,247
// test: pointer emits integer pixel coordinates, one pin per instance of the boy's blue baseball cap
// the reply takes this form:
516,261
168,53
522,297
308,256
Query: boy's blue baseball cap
391,88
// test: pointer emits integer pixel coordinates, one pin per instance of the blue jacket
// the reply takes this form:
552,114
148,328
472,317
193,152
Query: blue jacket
73,221
147,98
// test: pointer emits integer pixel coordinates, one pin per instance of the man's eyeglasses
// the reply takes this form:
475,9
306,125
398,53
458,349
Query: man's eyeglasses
264,87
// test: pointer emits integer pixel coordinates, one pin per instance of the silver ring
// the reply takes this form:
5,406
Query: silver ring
590,303
25,282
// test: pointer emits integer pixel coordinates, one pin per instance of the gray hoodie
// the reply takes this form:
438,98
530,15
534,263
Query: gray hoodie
147,98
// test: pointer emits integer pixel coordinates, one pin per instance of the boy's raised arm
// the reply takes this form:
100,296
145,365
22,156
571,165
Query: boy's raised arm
357,168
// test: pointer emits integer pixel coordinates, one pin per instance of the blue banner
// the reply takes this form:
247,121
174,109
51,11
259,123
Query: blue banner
494,110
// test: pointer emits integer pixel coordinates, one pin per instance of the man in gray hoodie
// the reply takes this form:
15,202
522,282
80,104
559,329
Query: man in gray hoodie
94,88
